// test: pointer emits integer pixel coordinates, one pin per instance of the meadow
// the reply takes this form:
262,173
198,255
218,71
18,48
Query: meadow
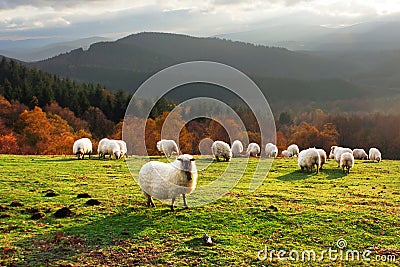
290,211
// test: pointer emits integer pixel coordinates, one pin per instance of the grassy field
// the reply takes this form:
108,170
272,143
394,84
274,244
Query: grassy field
290,211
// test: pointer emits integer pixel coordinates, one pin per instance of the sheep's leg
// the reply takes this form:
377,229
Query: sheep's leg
150,202
89,155
172,204
217,158
184,201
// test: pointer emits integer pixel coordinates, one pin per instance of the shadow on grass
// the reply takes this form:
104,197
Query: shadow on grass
296,175
335,173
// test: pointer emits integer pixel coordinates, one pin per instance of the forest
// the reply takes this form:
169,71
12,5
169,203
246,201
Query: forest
42,113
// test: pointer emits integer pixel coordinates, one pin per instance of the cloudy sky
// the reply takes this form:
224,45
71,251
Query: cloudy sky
72,19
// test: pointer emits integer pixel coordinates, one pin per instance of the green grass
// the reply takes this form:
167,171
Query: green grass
289,211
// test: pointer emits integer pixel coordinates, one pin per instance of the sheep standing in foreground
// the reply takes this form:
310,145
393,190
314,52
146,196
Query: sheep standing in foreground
168,180
293,150
308,158
286,154
375,154
253,150
237,148
109,147
359,153
322,155
168,147
220,149
271,150
81,147
346,161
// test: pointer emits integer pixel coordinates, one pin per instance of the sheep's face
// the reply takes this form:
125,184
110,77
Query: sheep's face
187,164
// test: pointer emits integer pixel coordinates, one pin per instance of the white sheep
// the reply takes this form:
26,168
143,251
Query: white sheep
332,153
308,158
253,150
359,153
109,147
81,147
168,180
346,161
339,151
271,150
375,154
123,148
237,148
293,150
220,149
286,154
168,147
322,155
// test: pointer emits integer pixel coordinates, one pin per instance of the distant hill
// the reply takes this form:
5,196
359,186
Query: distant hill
280,73
28,52
369,36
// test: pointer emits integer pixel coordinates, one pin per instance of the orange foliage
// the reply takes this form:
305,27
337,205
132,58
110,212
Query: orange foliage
8,144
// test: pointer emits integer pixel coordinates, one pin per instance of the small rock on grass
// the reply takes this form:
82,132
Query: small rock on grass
5,215
273,208
207,240
63,213
51,194
93,202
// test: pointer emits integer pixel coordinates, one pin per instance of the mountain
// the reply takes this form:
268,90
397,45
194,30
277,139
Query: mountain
281,74
28,51
368,36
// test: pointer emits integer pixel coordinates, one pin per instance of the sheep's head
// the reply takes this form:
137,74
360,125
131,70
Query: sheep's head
187,165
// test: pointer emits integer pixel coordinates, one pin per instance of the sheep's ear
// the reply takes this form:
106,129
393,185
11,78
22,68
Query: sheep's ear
192,159
179,159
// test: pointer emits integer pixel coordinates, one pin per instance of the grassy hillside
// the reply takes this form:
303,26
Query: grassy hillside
291,210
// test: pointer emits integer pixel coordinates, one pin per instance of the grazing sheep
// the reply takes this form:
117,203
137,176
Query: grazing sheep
308,158
360,153
253,150
123,148
346,161
168,180
271,150
332,153
237,148
293,150
339,151
81,147
286,154
109,147
375,154
221,149
168,147
322,155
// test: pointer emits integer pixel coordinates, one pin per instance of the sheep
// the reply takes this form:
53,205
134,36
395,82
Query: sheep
322,155
375,154
221,149
293,150
109,147
332,153
168,147
308,158
168,180
271,150
346,161
339,151
286,154
237,148
123,148
253,150
360,153
81,147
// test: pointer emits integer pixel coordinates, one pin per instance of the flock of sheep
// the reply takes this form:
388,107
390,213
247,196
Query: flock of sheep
116,148
169,180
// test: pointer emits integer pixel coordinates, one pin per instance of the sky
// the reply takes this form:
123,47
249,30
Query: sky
73,19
